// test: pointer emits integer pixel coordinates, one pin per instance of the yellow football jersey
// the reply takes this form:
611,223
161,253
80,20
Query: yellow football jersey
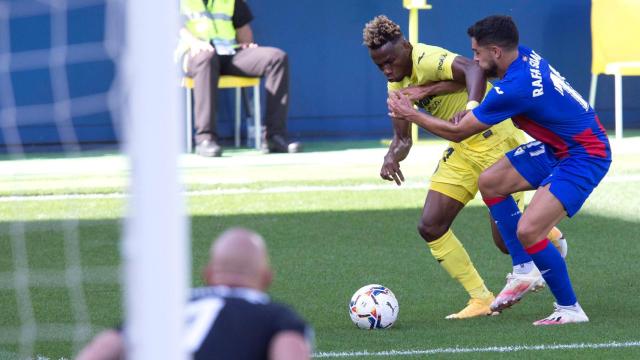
431,64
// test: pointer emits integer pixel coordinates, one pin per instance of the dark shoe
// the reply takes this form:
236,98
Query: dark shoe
209,148
278,144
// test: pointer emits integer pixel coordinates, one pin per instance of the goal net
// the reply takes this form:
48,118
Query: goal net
92,231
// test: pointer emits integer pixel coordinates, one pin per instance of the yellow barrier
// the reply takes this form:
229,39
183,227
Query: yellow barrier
414,6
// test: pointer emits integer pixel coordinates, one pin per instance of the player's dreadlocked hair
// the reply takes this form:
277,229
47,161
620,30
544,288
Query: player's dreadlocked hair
380,31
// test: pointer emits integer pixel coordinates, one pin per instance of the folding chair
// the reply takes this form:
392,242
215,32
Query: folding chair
228,82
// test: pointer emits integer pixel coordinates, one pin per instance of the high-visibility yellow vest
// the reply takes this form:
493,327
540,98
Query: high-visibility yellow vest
212,22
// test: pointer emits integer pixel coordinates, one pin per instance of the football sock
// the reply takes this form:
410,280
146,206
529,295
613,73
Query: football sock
554,271
452,256
523,268
555,234
558,240
506,214
481,292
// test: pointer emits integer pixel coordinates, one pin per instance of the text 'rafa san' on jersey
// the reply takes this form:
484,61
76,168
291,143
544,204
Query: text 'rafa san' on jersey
541,102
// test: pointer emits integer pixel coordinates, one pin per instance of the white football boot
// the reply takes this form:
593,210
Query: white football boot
564,315
517,286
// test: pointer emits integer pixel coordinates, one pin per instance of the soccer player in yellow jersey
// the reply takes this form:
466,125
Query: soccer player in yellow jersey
447,85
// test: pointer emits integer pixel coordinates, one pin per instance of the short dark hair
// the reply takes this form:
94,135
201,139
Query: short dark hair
380,31
496,30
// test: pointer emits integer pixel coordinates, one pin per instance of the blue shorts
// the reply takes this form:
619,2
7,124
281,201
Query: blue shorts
572,179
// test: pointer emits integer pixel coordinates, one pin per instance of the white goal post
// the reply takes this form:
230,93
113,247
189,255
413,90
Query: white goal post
155,251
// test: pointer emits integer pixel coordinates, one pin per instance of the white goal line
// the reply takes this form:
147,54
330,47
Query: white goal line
490,349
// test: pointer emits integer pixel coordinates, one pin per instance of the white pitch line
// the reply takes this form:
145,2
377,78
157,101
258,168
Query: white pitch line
490,349
19,198
310,188
274,190
233,191
459,350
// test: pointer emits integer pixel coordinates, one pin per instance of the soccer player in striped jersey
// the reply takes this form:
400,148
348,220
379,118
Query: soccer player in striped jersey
569,158
444,83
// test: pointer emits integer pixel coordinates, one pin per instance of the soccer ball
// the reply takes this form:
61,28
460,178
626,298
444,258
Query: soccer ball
373,307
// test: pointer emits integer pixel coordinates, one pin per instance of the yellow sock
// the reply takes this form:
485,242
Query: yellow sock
554,234
452,256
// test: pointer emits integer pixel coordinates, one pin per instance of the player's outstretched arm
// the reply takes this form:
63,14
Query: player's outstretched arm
398,151
401,143
466,71
419,92
401,108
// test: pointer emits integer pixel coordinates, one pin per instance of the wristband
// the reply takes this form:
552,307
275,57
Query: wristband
472,105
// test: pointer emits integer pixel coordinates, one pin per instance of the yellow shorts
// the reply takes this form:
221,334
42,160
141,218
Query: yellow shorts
457,173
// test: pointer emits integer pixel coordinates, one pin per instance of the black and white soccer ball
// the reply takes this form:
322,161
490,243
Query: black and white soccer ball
373,307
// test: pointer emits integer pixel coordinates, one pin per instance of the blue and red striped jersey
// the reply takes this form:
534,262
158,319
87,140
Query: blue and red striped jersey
543,104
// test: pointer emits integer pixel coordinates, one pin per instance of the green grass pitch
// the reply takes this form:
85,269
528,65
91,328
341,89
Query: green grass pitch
332,226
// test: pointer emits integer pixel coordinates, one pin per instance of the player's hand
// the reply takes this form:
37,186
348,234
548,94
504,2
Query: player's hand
400,107
458,117
390,170
197,46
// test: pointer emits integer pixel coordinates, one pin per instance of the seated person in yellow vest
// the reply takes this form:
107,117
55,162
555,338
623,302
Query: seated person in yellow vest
435,80
217,40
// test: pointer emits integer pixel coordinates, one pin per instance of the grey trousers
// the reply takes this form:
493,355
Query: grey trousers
268,62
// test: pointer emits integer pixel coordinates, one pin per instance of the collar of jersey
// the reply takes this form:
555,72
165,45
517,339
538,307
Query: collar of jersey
518,62
251,295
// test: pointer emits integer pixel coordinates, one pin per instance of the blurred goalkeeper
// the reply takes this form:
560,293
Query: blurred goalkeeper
447,86
233,318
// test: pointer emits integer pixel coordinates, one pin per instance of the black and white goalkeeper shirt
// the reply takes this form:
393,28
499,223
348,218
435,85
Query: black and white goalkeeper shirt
237,323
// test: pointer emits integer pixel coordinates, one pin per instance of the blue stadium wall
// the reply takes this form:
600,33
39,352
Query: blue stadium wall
336,92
